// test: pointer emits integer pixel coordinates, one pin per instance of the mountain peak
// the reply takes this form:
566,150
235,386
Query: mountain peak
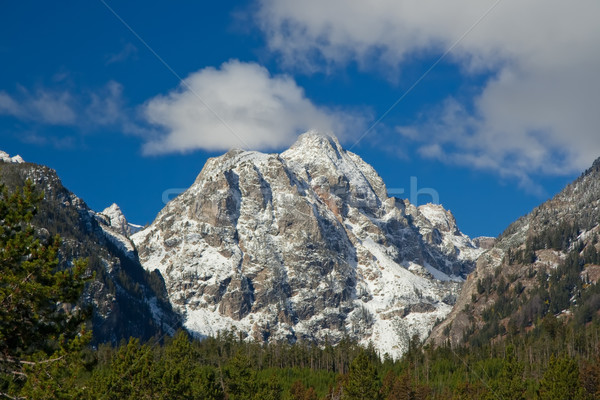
117,220
595,167
5,157
316,140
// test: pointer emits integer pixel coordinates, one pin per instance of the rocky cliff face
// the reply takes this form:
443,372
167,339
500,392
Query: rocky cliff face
126,300
530,247
305,245
113,216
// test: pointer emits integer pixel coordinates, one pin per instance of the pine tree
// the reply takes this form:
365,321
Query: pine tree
131,374
590,376
59,377
363,382
239,378
561,380
181,376
510,384
38,316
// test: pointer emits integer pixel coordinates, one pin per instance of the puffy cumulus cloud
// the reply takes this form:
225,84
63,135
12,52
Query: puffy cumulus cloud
237,105
536,113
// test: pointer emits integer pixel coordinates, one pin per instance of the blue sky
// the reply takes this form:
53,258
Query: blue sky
494,104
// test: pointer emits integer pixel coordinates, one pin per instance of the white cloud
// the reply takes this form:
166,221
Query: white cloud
538,113
87,111
238,105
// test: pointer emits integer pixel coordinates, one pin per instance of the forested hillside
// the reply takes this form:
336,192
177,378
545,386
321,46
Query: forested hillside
125,299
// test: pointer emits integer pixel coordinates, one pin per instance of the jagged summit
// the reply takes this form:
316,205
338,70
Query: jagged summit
316,141
5,157
304,245
310,145
117,220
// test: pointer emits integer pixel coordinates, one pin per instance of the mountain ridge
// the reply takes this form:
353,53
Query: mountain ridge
534,245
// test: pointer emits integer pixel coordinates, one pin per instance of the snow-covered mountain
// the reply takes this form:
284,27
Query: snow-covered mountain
306,245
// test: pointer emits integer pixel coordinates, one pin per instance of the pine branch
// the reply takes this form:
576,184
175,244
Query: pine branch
11,397
14,361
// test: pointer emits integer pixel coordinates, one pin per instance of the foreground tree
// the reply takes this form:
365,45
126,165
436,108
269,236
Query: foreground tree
363,382
510,383
242,382
561,380
39,322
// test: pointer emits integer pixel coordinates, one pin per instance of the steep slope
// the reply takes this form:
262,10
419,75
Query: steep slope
305,245
126,300
514,277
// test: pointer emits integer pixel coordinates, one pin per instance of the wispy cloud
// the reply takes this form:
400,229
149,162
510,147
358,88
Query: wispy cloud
45,106
8,106
51,107
58,142
536,113
84,110
127,52
238,105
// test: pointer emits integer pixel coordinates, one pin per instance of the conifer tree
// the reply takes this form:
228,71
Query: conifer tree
397,388
181,376
38,316
561,380
239,378
510,384
363,382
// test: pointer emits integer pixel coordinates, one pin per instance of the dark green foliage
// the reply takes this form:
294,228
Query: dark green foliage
510,384
561,380
239,378
40,327
363,382
59,376
558,237
139,371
